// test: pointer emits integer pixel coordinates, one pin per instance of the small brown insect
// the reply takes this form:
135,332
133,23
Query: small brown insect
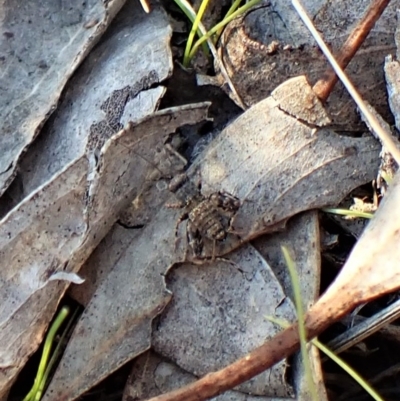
210,219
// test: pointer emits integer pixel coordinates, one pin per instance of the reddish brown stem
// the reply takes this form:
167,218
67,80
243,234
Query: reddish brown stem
282,345
325,85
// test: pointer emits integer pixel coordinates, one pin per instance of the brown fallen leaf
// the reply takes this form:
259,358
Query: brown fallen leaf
269,45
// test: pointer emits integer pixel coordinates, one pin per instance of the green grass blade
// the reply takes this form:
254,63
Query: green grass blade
192,33
187,9
46,352
350,213
351,372
54,357
220,25
231,10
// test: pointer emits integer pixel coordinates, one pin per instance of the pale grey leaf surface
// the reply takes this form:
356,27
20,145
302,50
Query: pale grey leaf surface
116,325
218,314
43,42
27,300
101,262
111,87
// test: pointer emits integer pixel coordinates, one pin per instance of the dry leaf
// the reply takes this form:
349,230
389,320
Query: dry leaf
42,45
218,313
302,237
61,241
151,375
111,88
28,300
288,167
117,323
270,45
392,74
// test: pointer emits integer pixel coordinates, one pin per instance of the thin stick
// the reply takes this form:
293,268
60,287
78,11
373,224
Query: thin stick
383,135
325,85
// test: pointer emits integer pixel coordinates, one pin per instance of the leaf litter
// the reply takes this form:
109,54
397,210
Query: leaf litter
118,82
350,289
270,45
249,231
152,374
349,162
63,241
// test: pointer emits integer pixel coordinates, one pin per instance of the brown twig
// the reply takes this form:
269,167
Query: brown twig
281,346
325,85
320,316
285,343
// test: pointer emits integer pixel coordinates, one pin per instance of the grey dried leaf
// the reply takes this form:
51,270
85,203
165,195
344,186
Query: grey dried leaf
138,147
37,240
219,312
118,320
42,45
101,262
111,87
288,167
392,74
297,98
302,237
63,221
